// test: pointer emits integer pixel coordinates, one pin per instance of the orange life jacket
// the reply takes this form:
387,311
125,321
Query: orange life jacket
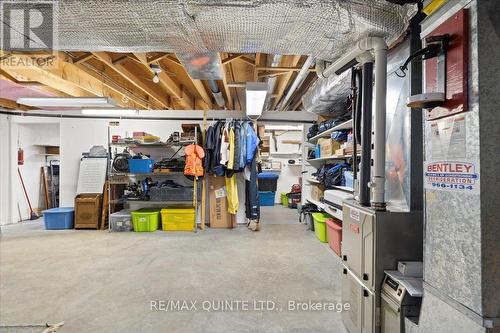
194,166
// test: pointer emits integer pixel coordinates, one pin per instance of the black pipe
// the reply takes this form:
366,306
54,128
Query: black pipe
366,137
356,82
357,122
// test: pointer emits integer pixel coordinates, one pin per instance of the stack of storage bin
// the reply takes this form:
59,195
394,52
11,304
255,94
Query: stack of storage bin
268,183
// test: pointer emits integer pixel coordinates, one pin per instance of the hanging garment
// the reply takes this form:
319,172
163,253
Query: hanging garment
230,158
209,148
232,194
243,147
216,167
224,146
252,142
236,159
252,207
194,155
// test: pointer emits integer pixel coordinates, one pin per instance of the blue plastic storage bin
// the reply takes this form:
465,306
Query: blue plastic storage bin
140,165
349,179
266,198
59,218
317,151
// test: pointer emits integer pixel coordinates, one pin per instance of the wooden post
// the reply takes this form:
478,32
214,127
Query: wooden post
204,180
105,203
45,188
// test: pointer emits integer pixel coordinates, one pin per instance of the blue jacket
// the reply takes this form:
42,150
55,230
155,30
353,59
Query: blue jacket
252,141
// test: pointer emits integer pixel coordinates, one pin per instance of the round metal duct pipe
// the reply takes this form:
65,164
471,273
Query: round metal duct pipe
219,98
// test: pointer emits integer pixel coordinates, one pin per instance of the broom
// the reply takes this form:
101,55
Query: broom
33,215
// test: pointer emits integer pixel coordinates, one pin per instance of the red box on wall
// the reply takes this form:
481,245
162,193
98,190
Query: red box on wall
457,61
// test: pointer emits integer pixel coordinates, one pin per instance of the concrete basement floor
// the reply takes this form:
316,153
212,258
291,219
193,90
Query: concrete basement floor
96,281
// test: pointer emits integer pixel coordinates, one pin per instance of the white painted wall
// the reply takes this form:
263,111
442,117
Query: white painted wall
289,174
27,133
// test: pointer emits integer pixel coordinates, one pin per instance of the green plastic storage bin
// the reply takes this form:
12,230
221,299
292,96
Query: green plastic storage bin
284,199
320,226
145,219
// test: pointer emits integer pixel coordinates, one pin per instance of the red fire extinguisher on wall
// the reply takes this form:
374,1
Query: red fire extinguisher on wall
20,156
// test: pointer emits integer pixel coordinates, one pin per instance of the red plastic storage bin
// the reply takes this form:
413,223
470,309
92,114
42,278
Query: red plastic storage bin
334,231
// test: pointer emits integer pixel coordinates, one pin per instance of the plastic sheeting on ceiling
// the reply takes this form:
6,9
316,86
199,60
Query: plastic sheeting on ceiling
322,28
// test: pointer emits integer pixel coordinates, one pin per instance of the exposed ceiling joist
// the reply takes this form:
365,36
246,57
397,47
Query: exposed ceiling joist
284,80
83,58
283,69
155,58
248,60
226,72
183,98
135,78
231,58
200,88
258,56
269,74
9,104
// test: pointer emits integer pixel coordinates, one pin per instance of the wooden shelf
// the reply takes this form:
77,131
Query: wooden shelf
327,133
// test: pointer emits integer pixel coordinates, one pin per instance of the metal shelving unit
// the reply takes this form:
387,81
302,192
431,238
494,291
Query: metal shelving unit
318,162
112,176
327,133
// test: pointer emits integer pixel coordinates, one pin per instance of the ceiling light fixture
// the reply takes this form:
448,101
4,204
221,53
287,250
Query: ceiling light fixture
255,98
109,112
71,102
157,70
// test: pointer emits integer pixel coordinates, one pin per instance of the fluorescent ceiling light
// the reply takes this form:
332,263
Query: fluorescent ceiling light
109,112
72,102
255,98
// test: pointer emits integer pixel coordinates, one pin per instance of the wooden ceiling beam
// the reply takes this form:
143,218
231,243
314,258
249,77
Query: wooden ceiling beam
231,58
156,58
183,98
268,74
283,69
206,101
226,72
10,104
69,79
248,60
284,80
83,58
135,78
258,56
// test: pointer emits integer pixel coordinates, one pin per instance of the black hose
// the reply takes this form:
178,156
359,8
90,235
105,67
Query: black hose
358,107
366,137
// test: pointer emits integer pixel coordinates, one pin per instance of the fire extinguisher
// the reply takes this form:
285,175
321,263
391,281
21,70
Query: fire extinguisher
20,156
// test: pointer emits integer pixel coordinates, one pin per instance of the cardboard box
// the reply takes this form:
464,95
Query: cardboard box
328,147
217,196
340,152
317,192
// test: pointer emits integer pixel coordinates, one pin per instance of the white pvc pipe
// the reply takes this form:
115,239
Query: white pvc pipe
379,47
378,175
304,71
